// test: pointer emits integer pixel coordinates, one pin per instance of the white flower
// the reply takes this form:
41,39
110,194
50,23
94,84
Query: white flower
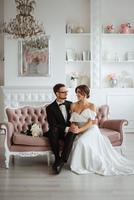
36,130
74,76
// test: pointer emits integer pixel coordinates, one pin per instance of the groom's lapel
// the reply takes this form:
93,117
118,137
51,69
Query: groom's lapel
67,105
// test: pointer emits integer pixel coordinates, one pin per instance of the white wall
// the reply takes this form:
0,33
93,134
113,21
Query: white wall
117,11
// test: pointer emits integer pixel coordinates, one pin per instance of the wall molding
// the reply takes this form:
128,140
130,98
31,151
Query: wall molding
18,96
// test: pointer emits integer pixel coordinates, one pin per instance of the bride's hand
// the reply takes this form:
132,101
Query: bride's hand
77,130
74,128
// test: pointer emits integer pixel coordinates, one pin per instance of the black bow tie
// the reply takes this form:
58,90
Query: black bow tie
60,104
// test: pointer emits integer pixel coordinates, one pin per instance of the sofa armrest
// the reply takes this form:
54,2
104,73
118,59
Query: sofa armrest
9,130
116,125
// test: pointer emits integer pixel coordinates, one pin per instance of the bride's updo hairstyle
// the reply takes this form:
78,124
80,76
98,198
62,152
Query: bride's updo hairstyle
83,90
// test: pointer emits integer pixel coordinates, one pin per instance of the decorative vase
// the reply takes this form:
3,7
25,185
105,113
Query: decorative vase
113,83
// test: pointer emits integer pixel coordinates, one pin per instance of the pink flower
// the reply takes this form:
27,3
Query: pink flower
110,27
111,76
126,25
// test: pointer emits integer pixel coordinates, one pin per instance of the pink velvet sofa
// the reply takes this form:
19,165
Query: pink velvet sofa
20,144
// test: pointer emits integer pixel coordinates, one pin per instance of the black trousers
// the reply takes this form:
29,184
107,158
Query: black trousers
55,135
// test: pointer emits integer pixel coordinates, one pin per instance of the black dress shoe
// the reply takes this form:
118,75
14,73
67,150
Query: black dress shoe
54,167
57,166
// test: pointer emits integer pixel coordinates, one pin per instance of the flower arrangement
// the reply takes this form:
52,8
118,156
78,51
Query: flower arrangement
36,131
125,28
74,76
112,80
110,28
111,77
73,79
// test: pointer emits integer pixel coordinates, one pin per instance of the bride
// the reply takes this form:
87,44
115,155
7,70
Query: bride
92,152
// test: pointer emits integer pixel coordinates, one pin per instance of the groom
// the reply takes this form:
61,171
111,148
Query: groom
58,115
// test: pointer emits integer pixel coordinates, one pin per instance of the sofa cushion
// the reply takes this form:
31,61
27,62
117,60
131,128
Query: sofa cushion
20,139
112,135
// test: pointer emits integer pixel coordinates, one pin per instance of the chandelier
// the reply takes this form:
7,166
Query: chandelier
24,25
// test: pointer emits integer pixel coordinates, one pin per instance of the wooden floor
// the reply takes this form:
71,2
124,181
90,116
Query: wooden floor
31,179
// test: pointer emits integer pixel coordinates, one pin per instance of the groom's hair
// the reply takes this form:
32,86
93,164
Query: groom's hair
84,90
57,87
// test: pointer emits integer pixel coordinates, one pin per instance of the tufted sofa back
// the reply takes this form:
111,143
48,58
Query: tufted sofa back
22,117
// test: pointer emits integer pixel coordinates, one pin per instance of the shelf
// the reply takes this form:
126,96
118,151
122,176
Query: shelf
121,61
77,34
118,34
79,61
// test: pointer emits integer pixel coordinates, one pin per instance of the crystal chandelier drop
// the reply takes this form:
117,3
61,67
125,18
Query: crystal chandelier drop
24,25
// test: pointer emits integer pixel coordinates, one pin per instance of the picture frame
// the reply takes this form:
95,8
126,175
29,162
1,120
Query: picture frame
34,57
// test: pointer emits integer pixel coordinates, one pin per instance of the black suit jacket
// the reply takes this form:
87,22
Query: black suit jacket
55,117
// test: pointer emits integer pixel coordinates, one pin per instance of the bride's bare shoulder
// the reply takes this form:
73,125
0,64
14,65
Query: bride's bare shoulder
92,107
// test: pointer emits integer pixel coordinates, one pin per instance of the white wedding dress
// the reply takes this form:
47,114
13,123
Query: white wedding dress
92,152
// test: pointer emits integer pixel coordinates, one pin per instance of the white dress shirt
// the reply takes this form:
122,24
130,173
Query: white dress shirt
64,113
63,110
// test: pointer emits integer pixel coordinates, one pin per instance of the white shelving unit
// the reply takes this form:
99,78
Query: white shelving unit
116,59
78,43
78,57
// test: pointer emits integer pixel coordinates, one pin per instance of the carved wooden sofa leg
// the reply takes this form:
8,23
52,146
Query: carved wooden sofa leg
49,154
7,159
